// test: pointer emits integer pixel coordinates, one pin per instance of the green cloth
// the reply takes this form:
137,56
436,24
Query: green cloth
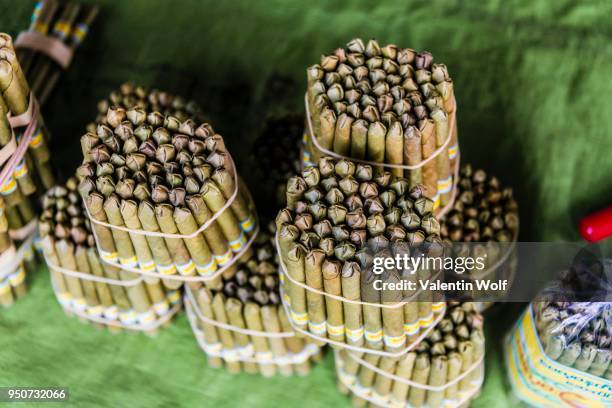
40,346
534,95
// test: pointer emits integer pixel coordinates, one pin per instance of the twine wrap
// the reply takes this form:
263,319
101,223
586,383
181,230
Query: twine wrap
52,47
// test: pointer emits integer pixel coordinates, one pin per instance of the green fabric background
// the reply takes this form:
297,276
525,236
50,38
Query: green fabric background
532,79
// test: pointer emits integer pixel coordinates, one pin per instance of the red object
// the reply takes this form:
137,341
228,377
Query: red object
597,226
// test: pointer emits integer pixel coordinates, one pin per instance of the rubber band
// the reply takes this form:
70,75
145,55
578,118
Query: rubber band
7,150
451,131
22,233
12,257
25,118
168,272
31,114
203,228
189,300
52,47
410,346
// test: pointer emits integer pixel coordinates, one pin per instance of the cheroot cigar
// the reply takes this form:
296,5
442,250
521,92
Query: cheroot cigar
227,337
234,313
210,332
315,302
351,276
333,285
272,325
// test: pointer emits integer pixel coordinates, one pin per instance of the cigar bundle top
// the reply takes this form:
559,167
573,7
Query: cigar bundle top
130,95
260,339
257,279
276,157
173,186
484,210
81,281
577,334
339,216
63,216
445,369
53,24
385,104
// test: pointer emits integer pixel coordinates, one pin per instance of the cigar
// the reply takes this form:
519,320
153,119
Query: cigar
351,275
333,285
365,378
394,147
235,315
405,366
437,377
227,337
383,384
428,146
420,374
315,302
393,317
210,332
253,318
159,250
295,268
271,324
371,314
294,344
412,154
